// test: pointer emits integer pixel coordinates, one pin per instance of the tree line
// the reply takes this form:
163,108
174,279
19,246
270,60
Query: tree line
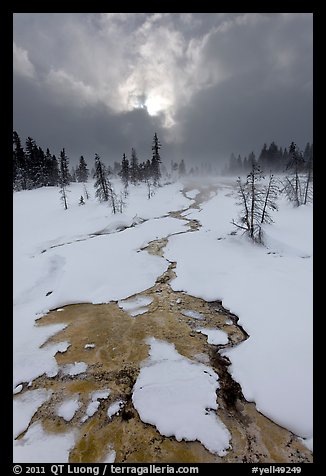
258,198
33,167
272,158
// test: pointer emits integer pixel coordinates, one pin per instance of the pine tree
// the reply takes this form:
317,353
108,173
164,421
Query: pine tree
31,159
239,164
64,168
245,165
263,157
272,157
104,190
54,175
232,164
182,168
134,168
101,182
64,177
251,160
82,171
156,160
306,153
285,159
124,172
47,167
19,164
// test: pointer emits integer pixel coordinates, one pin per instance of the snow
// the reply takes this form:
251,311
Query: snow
215,336
63,346
94,404
136,306
193,314
37,446
18,389
91,409
115,407
110,457
161,397
89,346
100,394
270,289
65,257
68,408
68,254
192,193
30,361
25,406
308,443
74,369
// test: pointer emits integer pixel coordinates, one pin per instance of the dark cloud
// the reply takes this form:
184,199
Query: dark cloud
209,84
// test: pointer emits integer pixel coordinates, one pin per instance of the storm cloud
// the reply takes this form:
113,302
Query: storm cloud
208,84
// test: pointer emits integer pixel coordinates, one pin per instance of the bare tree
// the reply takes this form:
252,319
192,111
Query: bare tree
121,203
150,188
256,200
86,192
271,192
112,197
63,192
308,192
292,184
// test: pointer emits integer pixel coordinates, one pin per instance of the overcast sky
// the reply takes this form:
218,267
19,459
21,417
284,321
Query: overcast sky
209,84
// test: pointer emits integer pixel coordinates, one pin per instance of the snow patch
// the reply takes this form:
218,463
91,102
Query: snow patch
135,306
308,443
18,389
94,404
25,406
215,336
68,408
192,193
115,408
61,346
37,446
193,314
110,457
74,369
178,396
89,346
101,394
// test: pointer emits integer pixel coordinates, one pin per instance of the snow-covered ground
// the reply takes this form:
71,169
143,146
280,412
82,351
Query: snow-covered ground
78,255
178,395
75,255
270,289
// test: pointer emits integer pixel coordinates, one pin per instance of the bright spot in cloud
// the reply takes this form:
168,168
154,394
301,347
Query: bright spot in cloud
155,104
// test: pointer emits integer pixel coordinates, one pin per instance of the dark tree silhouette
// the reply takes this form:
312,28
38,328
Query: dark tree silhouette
156,160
